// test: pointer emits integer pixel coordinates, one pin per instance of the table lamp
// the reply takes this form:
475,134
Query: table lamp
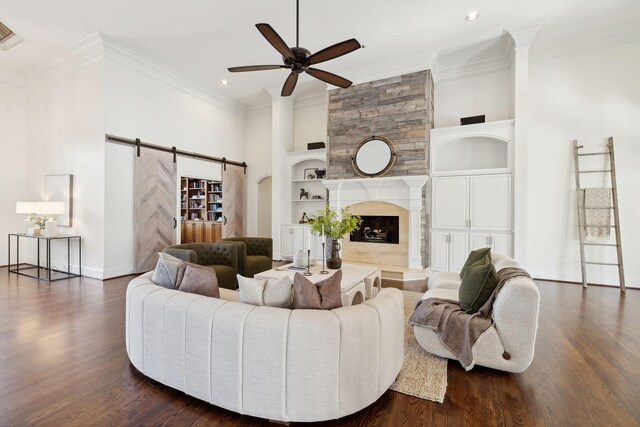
30,209
49,209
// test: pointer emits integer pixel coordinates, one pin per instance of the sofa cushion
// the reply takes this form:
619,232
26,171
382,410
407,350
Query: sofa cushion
474,256
199,280
324,295
272,292
169,271
444,279
478,283
226,276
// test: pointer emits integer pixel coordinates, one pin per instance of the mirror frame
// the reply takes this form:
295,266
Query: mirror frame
389,165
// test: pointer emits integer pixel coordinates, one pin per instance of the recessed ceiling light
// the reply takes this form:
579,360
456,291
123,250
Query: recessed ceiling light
472,16
225,82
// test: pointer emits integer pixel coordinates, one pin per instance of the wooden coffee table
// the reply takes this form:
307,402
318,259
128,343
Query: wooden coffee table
353,287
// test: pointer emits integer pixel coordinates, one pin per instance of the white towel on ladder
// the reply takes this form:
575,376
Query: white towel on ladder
597,221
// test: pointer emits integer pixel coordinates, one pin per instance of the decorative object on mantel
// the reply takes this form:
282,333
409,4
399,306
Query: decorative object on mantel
472,120
304,219
299,60
335,226
320,173
316,197
309,174
374,156
304,193
315,145
36,225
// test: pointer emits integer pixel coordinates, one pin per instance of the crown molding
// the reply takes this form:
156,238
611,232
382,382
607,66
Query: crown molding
488,56
79,54
313,99
523,34
137,60
11,79
597,38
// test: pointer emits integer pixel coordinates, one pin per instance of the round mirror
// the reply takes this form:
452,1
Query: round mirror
374,156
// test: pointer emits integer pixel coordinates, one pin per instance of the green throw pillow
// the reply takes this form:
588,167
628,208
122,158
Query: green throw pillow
474,256
478,283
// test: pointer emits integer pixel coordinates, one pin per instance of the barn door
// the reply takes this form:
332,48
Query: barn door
233,183
155,206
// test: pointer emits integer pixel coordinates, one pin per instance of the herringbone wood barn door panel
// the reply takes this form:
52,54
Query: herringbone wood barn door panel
155,206
233,181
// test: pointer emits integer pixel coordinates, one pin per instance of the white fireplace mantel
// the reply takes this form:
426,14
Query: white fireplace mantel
404,191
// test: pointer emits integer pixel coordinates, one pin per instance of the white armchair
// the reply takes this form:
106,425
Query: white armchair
509,344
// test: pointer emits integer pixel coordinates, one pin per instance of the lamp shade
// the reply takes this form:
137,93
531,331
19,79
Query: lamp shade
50,208
26,207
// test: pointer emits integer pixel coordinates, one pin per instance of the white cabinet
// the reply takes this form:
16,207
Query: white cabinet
449,250
450,202
500,242
490,202
295,237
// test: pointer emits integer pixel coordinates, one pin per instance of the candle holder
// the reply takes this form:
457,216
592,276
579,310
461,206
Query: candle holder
323,255
308,271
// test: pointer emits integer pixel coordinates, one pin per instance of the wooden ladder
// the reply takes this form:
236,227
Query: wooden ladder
581,208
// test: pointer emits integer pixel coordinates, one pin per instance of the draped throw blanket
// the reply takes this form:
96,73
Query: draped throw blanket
457,330
598,220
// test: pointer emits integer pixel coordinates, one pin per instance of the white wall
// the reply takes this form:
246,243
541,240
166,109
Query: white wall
13,164
310,121
488,94
589,97
258,157
65,122
140,104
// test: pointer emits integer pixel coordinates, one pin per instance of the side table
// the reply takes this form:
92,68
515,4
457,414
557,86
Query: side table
47,269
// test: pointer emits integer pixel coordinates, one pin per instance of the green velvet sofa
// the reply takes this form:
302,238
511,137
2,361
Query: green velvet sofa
223,257
256,254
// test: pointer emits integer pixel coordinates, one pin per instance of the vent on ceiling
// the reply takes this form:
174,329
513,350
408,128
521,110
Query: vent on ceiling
5,33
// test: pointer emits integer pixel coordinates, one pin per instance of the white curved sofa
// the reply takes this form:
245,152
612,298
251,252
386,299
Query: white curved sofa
509,344
274,363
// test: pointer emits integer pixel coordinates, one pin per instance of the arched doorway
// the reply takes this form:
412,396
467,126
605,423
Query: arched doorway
264,207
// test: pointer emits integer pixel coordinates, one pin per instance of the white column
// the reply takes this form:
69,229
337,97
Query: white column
281,144
415,185
522,36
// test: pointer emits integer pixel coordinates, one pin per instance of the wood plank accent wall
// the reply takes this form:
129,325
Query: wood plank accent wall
400,108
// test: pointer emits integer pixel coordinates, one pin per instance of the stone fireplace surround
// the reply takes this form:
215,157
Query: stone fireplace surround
402,191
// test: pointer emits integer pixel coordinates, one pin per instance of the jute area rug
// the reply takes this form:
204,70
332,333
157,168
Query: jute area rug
423,375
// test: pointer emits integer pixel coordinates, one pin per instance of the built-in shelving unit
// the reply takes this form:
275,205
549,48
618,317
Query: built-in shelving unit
200,209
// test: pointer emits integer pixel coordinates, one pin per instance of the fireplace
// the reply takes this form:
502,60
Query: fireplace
377,229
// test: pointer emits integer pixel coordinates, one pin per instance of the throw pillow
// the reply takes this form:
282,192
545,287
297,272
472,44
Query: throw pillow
272,292
474,256
324,295
169,271
200,280
478,283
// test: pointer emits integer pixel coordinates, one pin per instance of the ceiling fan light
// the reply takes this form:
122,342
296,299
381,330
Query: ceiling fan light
472,16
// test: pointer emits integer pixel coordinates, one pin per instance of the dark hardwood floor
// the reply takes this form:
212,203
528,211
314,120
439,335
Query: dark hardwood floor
63,362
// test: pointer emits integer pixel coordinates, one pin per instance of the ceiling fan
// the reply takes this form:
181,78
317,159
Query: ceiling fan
299,60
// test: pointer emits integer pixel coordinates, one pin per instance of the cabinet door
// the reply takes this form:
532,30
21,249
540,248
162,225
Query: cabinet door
187,237
450,202
491,202
198,232
183,231
479,240
316,246
458,250
208,232
217,231
439,251
286,241
299,239
501,243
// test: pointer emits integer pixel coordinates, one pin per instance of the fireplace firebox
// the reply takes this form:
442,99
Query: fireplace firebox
377,229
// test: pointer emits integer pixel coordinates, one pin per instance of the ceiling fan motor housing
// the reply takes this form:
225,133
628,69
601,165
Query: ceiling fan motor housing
301,55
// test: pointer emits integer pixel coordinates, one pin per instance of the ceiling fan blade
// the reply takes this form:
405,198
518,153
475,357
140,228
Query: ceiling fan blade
255,68
328,77
275,40
289,84
334,51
